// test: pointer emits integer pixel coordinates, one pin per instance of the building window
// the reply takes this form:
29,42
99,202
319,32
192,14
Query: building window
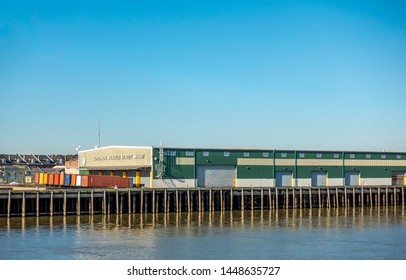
336,155
246,154
352,156
265,154
383,156
170,153
368,156
301,155
226,154
205,154
398,156
190,153
284,155
318,155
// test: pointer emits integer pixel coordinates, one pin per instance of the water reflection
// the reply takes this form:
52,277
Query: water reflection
334,233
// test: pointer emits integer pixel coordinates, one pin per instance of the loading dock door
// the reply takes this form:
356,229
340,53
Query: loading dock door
319,178
352,178
283,178
216,176
398,178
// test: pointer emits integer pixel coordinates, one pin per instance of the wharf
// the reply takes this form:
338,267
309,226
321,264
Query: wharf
88,201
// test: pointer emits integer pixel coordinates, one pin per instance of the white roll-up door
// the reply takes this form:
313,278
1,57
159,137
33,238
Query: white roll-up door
352,178
216,175
283,178
319,178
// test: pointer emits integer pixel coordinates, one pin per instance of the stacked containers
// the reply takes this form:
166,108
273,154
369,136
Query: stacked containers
46,178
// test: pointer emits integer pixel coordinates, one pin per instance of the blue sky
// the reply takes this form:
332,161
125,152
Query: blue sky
327,75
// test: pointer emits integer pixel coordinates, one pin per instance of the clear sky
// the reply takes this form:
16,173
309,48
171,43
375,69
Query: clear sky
327,75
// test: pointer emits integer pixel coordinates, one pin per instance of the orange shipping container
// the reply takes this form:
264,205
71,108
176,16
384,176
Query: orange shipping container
62,179
36,178
73,180
51,179
56,179
85,181
46,178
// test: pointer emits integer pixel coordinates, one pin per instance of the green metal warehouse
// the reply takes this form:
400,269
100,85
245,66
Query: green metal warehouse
187,167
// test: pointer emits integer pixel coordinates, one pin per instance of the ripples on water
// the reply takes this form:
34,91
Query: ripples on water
294,234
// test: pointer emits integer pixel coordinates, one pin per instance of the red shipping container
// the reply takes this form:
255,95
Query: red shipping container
108,181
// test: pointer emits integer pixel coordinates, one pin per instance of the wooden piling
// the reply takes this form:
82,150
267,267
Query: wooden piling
270,199
165,201
262,198
394,195
177,200
91,206
142,201
37,204
345,197
121,202
337,198
286,198
221,200
153,201
362,196
104,206
210,199
64,203
403,195
370,195
276,199
353,197
328,198
310,198
379,196
78,204
252,199
188,200
199,197
319,196
300,198
386,196
51,204
242,200
231,199
129,202
9,204
294,202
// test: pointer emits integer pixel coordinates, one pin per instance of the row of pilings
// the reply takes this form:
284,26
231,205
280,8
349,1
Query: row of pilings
126,201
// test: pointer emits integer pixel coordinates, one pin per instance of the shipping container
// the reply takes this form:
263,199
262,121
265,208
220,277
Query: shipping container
41,178
67,179
79,180
73,180
51,179
36,178
85,180
56,179
46,178
62,179
106,181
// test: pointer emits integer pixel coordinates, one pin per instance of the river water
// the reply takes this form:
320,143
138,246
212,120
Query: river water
368,233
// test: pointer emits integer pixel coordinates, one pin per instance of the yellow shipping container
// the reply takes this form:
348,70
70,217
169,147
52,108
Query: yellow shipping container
46,178
41,178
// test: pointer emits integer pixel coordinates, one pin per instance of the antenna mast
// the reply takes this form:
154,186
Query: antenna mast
160,167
